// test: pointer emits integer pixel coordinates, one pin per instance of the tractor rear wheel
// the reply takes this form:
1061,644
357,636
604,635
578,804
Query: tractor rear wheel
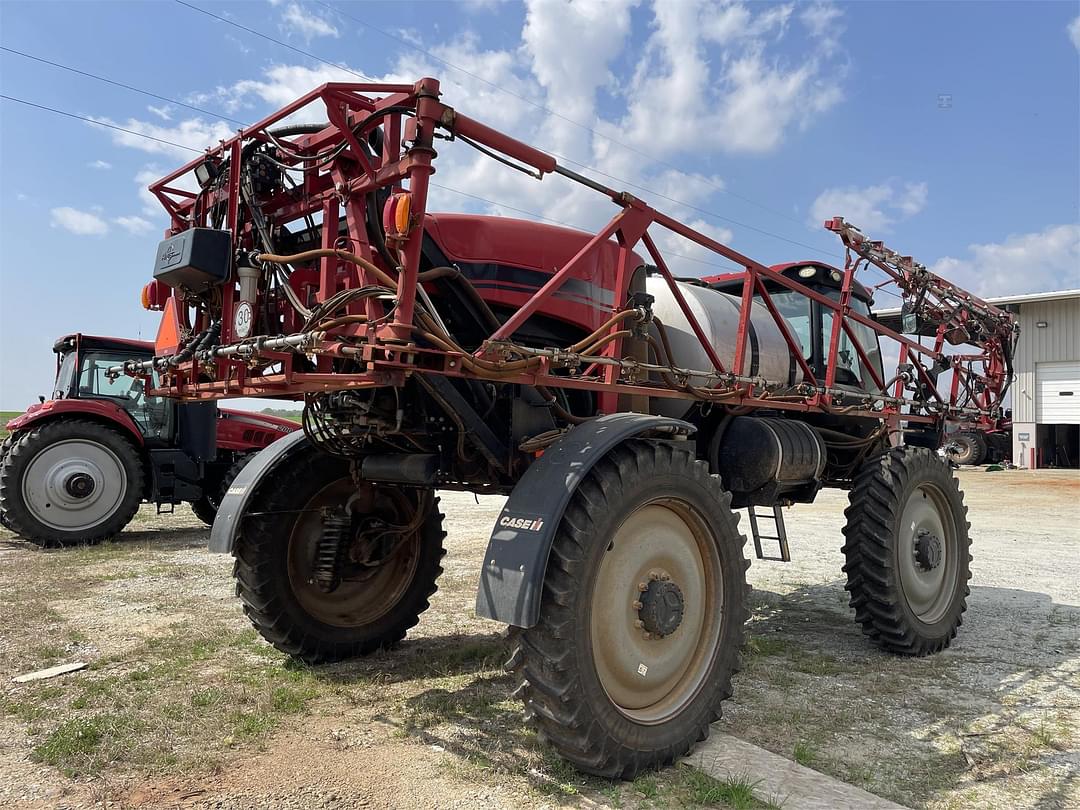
642,614
71,481
971,448
333,570
908,551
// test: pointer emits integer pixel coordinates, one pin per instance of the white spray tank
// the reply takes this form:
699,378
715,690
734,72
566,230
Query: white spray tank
767,354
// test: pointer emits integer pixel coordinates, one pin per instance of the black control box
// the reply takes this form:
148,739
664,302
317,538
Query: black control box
196,259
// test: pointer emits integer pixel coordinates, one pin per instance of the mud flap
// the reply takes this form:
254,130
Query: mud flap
235,503
512,577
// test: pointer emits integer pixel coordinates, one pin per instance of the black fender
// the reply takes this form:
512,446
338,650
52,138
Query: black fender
512,578
235,503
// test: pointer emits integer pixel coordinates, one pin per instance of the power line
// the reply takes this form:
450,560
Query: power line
101,123
275,41
562,117
101,78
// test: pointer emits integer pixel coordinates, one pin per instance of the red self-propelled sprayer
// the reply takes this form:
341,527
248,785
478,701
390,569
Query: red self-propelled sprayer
625,411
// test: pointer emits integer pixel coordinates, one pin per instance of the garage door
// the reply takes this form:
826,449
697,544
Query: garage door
1057,399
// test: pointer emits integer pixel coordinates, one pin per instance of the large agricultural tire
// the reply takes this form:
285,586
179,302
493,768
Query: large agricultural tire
206,507
69,482
4,447
274,554
642,614
907,550
971,448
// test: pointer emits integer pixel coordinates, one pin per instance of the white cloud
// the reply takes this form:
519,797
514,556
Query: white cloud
164,112
99,164
1074,32
873,209
302,21
193,133
80,223
744,98
822,20
135,225
1023,263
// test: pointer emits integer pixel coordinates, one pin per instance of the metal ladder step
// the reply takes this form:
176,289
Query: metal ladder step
777,516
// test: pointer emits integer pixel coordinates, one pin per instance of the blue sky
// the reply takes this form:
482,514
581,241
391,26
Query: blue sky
949,129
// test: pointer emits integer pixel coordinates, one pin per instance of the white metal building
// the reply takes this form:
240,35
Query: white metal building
1046,392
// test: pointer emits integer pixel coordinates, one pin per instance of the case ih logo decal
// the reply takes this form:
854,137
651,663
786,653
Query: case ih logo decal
527,524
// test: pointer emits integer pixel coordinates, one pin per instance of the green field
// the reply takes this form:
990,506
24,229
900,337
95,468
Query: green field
5,417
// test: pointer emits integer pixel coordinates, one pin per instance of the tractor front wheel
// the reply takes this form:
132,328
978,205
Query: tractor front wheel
328,569
68,482
907,550
642,614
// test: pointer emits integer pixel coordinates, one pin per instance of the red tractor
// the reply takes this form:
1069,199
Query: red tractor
627,413
76,466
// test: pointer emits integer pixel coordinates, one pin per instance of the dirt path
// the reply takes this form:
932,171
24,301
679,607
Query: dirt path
184,707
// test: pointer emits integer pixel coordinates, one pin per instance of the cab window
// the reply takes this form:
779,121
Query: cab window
151,414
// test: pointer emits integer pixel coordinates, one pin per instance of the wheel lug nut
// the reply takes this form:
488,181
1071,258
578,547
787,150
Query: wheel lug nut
639,624
636,605
665,577
653,575
647,635
642,586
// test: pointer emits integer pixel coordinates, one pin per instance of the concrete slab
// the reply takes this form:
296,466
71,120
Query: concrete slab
780,780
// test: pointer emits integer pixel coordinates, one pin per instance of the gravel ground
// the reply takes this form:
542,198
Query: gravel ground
183,706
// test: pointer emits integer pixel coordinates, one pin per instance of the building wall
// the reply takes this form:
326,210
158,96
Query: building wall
1059,341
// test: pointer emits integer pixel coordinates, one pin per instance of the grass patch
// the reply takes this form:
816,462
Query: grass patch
736,792
84,744
765,645
175,702
804,753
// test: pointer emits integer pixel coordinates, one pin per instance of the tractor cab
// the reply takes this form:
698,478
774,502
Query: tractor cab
82,363
812,322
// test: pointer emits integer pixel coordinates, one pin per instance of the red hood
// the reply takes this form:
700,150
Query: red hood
281,424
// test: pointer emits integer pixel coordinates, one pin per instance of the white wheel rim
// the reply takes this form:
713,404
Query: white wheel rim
929,591
74,484
651,678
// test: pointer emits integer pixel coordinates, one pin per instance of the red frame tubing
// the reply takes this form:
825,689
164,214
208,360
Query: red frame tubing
388,352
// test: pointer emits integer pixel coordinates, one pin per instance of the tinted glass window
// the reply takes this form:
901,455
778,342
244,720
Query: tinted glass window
151,414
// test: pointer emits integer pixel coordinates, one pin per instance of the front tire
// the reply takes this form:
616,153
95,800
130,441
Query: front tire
369,608
69,482
908,551
642,614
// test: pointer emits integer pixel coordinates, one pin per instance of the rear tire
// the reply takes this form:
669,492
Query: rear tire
279,592
609,698
69,482
972,448
908,551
